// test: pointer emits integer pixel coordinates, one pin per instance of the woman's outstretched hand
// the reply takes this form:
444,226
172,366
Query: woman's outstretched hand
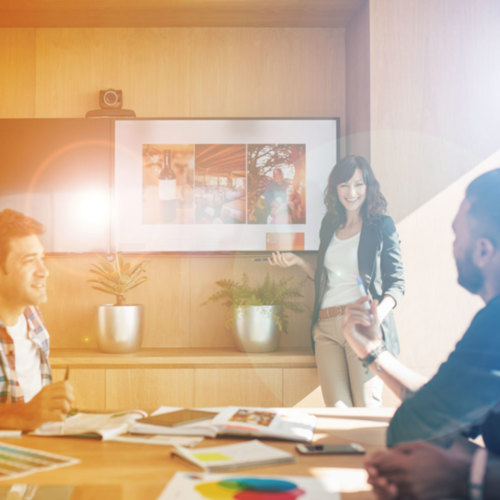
289,259
285,259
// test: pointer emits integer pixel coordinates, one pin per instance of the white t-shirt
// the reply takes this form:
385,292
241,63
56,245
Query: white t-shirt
341,263
27,356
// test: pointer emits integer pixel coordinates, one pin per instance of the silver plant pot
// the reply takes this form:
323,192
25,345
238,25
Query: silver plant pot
254,328
119,328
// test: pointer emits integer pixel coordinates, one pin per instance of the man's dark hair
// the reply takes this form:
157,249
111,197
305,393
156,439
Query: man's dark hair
15,225
483,195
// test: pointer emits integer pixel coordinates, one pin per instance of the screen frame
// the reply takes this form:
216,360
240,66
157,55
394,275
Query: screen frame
115,241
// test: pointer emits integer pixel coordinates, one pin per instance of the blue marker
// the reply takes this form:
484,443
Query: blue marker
363,291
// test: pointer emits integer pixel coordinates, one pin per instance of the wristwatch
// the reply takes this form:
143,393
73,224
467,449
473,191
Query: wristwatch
373,355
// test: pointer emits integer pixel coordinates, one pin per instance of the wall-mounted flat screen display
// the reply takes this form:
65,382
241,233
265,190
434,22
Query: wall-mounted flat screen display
208,185
59,172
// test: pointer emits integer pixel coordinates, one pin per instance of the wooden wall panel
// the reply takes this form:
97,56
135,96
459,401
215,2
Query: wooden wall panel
301,388
17,73
166,298
220,387
149,388
89,385
357,47
71,310
434,94
115,13
193,72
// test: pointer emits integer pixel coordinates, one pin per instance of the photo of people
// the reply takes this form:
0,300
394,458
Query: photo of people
167,183
276,184
220,184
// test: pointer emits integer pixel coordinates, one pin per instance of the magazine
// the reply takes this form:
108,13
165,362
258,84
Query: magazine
234,456
241,421
91,425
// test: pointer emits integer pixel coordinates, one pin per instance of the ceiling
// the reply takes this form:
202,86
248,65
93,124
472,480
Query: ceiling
176,13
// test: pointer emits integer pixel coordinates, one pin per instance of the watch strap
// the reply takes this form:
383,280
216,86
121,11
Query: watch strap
373,355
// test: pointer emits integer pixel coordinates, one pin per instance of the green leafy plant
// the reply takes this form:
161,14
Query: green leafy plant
117,277
269,293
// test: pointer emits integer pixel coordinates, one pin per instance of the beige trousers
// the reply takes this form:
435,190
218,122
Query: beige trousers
344,380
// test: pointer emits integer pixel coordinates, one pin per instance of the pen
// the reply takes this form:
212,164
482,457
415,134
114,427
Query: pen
66,377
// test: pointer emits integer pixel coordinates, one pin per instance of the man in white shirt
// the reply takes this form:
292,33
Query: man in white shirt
28,397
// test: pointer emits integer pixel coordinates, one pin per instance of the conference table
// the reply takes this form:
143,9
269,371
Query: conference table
128,471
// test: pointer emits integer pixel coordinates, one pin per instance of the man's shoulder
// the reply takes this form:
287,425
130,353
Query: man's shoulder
484,325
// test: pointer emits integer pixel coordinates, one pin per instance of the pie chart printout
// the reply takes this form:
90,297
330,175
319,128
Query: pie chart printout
249,488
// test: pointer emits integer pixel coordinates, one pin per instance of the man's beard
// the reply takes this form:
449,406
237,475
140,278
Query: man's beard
469,275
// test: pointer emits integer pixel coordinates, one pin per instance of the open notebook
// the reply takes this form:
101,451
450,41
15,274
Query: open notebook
234,456
92,425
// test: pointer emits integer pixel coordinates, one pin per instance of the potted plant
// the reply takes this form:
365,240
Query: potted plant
258,314
119,325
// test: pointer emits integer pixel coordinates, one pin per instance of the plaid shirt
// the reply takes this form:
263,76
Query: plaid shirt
10,389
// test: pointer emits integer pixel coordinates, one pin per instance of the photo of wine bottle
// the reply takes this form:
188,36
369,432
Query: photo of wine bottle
167,184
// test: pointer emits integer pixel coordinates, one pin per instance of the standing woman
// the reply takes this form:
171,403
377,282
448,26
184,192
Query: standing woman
356,239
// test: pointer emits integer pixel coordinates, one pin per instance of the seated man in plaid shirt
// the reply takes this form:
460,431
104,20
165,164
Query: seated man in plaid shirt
28,397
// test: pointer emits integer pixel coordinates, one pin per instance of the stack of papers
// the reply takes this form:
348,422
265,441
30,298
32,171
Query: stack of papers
234,456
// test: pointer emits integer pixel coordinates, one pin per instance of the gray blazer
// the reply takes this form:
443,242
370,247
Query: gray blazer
380,268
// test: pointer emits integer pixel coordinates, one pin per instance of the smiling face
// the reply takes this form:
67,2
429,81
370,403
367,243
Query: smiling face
23,279
352,193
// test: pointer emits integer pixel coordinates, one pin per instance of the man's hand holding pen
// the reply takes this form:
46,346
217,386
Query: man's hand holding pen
361,326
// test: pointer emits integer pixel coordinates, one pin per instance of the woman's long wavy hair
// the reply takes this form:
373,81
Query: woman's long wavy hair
375,203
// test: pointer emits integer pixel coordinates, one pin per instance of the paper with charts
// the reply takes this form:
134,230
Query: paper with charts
189,486
16,461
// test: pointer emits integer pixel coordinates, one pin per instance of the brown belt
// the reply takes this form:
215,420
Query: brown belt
331,312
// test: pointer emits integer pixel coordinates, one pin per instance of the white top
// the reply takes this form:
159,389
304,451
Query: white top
27,356
341,263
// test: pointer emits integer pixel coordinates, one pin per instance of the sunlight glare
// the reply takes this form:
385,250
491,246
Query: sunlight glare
91,209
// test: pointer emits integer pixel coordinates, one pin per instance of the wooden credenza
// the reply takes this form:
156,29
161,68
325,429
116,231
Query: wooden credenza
189,378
